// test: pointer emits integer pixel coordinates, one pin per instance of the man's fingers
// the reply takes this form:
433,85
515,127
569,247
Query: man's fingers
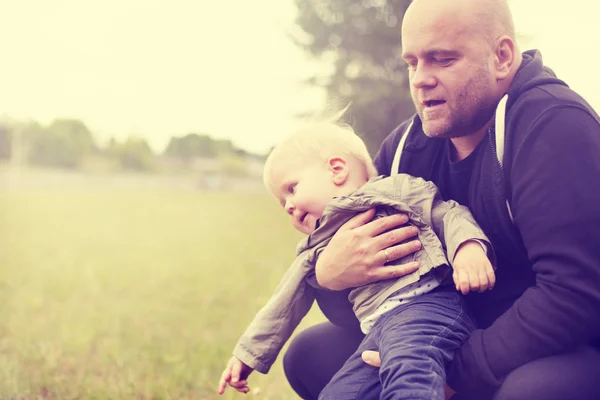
399,250
358,220
372,358
384,224
393,271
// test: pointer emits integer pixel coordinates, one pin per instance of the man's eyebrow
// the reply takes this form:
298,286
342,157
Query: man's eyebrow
442,52
434,53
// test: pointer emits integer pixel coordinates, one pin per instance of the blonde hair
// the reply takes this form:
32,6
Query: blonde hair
320,139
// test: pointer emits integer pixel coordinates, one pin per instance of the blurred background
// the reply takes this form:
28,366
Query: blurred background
137,241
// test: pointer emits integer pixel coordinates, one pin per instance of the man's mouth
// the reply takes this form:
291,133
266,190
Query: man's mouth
433,103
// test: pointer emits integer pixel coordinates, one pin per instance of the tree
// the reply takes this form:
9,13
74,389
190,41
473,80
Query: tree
76,133
134,154
192,146
361,38
65,143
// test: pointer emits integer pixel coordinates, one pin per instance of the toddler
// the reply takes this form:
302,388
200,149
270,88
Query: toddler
322,176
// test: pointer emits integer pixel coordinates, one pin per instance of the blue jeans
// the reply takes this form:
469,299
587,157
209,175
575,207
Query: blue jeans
416,342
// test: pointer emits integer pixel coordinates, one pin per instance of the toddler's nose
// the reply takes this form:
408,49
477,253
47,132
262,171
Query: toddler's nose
289,208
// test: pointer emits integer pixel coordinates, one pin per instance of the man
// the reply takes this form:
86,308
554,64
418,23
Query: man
539,205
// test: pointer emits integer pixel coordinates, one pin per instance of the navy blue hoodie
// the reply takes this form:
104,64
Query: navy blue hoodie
547,296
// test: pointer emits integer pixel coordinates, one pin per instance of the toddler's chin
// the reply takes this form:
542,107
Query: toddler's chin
304,229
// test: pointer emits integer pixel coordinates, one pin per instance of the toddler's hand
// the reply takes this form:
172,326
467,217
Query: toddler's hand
472,269
235,374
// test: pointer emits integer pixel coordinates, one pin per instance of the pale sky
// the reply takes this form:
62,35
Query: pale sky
227,68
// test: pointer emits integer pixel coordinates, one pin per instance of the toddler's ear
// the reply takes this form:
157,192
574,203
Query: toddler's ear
339,170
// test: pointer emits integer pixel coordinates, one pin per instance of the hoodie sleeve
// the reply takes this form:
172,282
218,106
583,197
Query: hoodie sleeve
555,187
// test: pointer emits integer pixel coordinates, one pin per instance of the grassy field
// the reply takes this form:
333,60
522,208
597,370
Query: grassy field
122,294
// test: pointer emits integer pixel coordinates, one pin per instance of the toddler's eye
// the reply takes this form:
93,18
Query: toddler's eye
292,188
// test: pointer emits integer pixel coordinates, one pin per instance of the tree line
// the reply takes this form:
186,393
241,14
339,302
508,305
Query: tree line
69,143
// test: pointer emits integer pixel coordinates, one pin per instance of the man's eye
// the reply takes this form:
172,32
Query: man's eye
411,65
444,62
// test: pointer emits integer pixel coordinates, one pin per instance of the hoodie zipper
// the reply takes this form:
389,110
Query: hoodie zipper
492,130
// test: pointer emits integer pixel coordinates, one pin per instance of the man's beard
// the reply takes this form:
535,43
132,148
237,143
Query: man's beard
472,110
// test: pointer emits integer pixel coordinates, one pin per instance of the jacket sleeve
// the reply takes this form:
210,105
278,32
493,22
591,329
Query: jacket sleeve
262,341
555,198
453,224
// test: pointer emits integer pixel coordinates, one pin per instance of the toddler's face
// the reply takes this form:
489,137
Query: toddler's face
304,191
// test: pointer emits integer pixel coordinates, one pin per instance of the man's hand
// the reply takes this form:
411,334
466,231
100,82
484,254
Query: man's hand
372,358
472,269
235,375
358,251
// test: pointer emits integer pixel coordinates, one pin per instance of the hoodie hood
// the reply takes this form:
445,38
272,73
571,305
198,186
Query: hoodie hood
531,73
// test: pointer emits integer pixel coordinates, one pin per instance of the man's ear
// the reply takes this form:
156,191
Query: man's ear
504,57
339,170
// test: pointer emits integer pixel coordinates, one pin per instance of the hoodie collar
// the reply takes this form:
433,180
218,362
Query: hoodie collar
531,73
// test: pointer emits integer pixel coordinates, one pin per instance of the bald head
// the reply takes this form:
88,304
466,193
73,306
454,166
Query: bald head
489,18
461,57
493,17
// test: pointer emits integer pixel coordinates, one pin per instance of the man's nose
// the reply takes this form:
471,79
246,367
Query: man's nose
422,77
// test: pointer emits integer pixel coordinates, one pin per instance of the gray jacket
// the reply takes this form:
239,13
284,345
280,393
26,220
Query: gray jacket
436,219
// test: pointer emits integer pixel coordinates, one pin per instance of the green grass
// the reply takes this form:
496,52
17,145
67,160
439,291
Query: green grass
121,294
